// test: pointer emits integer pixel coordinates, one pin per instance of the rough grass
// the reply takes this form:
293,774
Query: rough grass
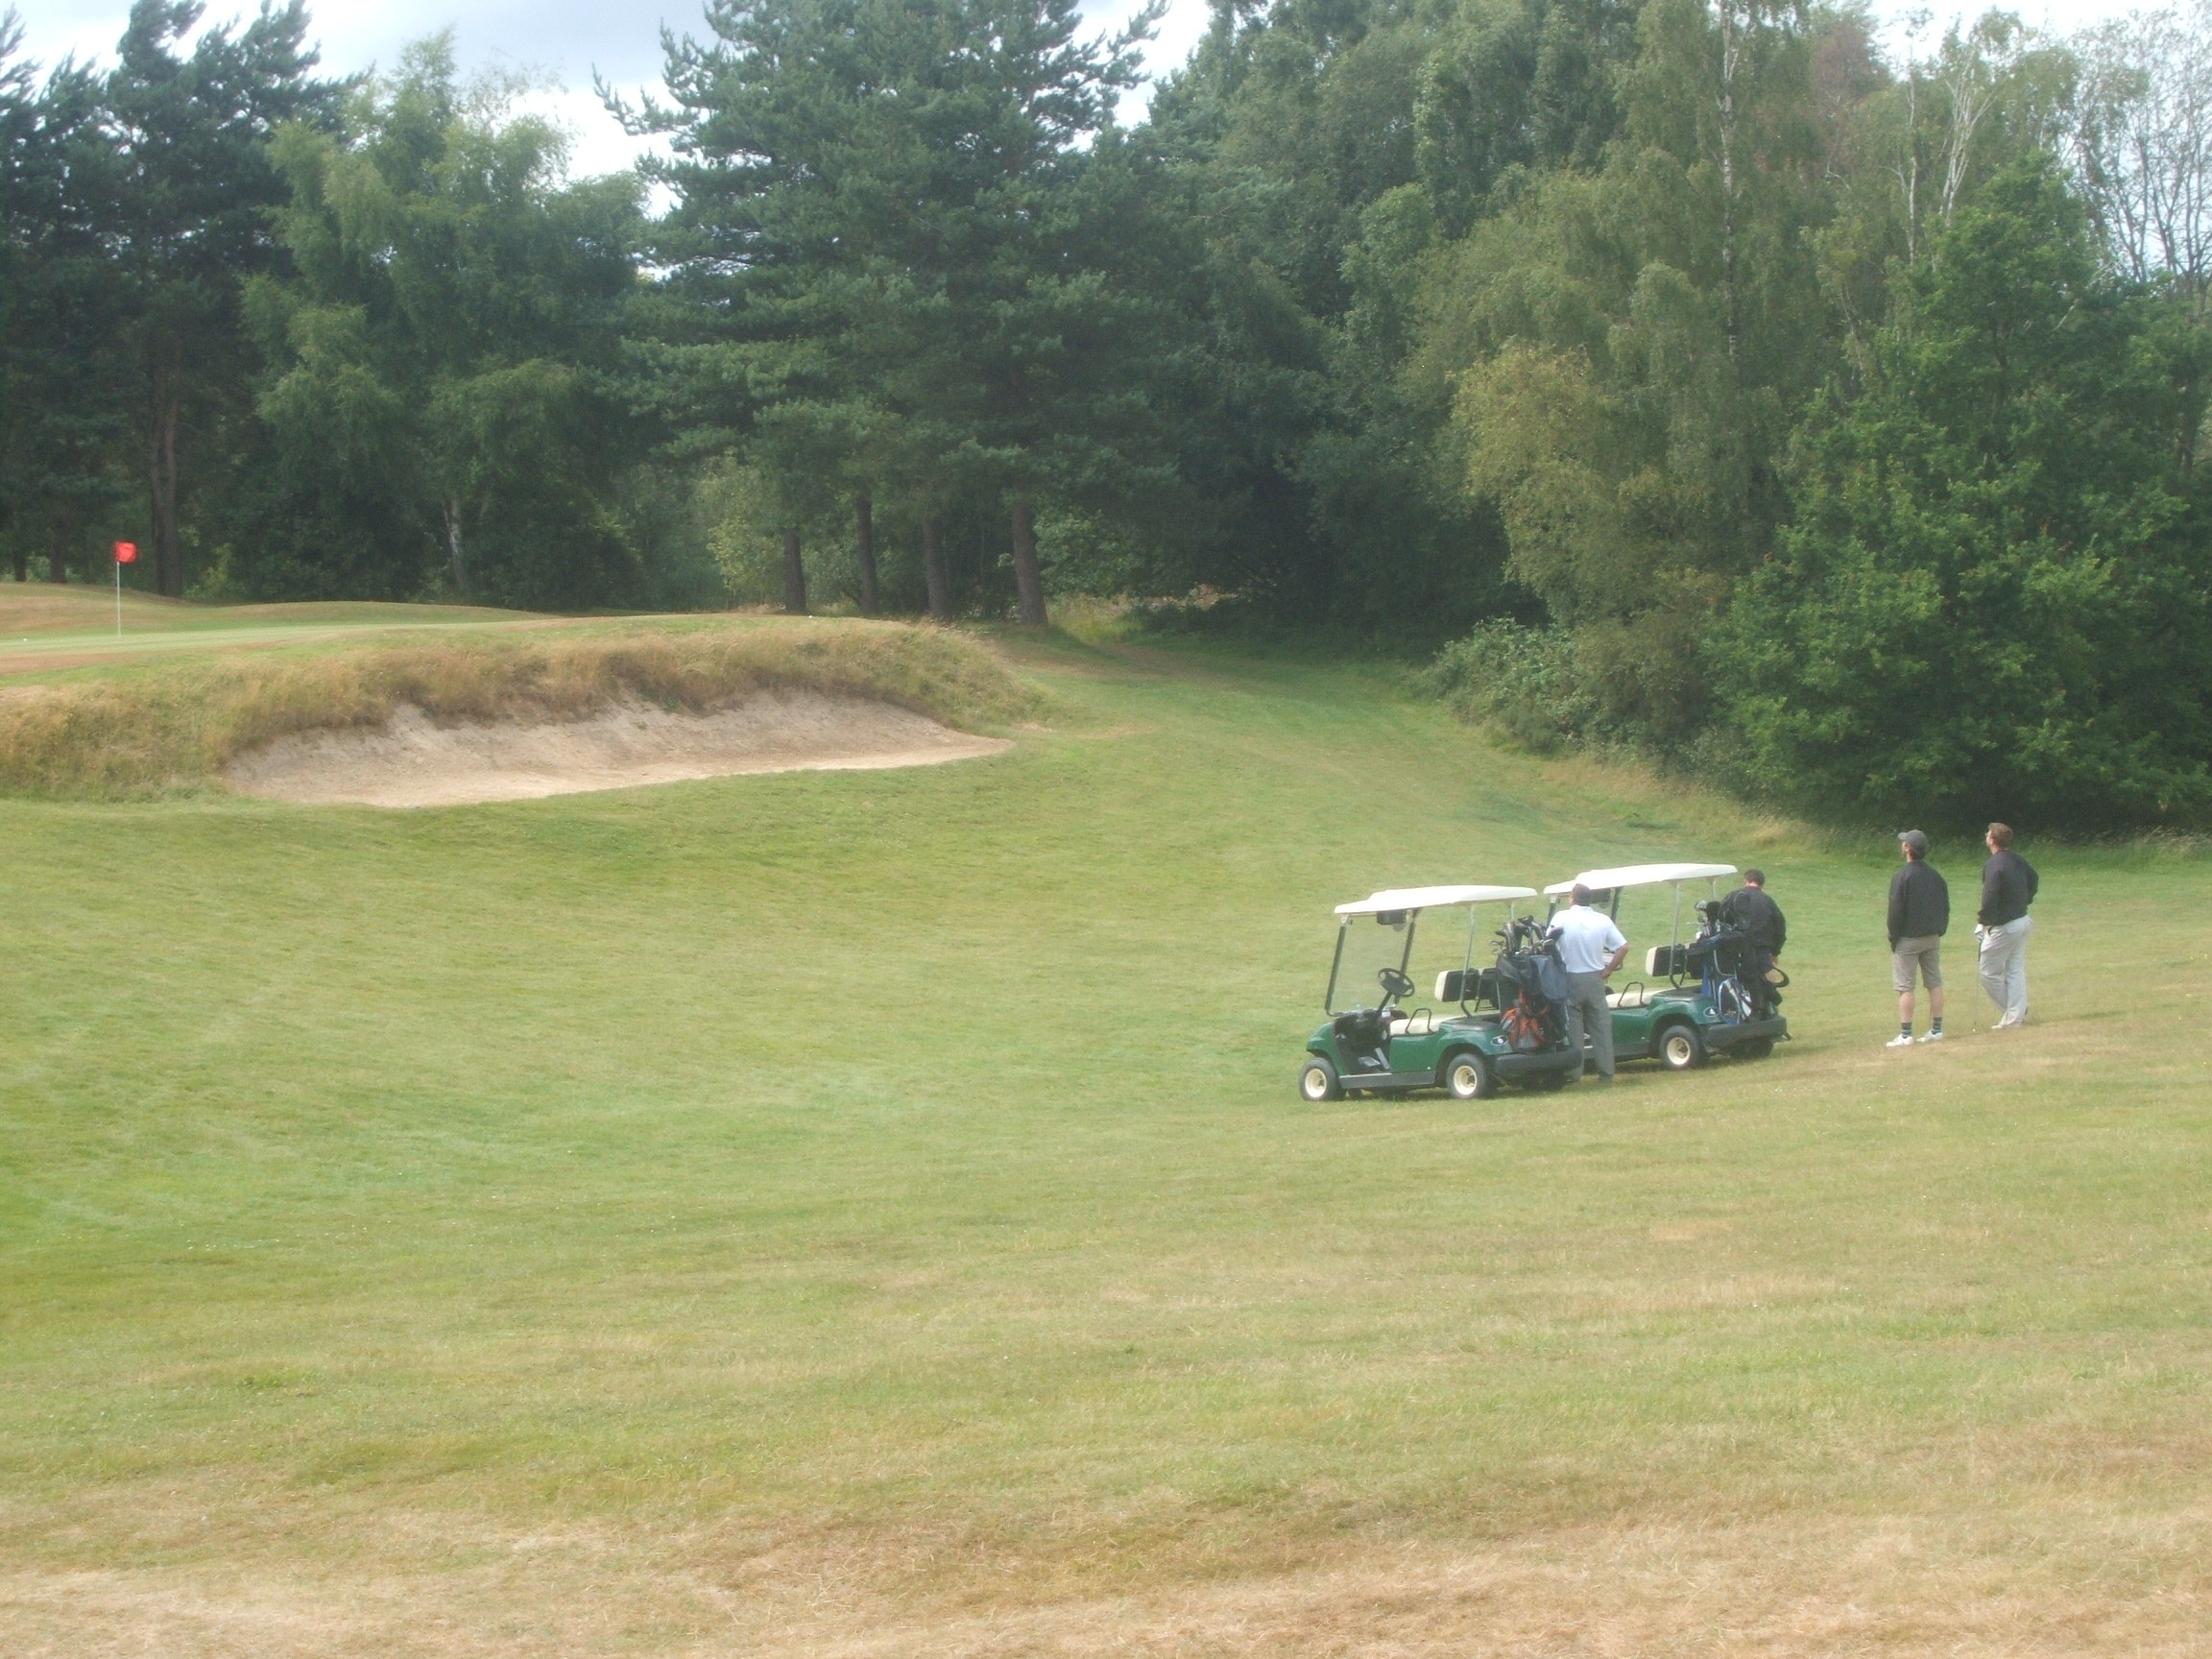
173,726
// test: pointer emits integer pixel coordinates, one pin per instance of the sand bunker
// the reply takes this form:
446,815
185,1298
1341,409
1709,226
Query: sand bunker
415,762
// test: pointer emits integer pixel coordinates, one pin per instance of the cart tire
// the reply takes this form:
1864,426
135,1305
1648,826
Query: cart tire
1317,1081
1467,1078
1681,1049
1758,1049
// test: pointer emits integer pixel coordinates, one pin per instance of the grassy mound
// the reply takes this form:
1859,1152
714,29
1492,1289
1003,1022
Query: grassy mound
174,726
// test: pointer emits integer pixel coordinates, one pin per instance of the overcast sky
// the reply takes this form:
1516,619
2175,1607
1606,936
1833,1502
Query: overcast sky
568,39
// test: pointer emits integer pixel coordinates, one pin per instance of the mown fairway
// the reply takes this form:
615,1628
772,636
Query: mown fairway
869,1213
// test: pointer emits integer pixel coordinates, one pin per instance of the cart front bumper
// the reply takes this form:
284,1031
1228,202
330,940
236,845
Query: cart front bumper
1721,1038
1514,1066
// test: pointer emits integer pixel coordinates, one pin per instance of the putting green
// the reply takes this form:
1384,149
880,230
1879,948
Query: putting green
870,1212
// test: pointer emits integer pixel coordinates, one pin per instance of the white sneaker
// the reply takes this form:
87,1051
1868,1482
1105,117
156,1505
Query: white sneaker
1903,1040
1932,1037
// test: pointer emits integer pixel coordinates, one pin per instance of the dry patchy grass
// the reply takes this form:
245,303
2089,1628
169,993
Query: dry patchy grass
2067,1576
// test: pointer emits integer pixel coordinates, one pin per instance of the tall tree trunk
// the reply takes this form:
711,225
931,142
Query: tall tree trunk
1028,580
455,560
864,543
60,531
933,570
794,575
22,562
162,488
1731,55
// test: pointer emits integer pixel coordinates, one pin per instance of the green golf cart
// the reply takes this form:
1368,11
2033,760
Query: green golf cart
1698,997
1479,1033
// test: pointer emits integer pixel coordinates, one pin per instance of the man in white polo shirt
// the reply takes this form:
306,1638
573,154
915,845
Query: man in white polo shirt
1590,948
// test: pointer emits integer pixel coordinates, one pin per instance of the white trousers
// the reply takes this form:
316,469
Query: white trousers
2005,969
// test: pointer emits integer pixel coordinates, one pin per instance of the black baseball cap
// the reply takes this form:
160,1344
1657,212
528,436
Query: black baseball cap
1915,841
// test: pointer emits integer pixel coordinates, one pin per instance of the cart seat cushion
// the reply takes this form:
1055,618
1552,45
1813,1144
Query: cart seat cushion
1635,997
1419,1025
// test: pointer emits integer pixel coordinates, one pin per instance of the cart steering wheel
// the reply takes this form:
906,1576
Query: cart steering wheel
1394,984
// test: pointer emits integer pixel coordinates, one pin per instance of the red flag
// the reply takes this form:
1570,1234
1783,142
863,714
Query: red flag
125,552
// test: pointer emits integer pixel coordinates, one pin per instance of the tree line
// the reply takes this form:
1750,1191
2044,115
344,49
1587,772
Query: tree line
1702,375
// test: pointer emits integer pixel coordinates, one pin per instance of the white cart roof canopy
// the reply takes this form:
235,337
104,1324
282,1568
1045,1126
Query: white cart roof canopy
1639,876
1429,897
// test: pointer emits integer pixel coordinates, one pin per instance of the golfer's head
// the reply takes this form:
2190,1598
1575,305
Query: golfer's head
1914,844
2000,837
1754,878
1580,895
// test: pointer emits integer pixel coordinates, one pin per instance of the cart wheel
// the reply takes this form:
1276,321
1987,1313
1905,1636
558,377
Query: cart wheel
1758,1049
1317,1080
1467,1078
1681,1049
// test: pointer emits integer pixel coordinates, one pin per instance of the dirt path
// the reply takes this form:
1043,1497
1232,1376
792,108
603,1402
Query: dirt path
415,762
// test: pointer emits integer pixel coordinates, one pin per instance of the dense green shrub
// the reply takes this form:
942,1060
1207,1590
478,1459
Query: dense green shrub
1524,682
1995,600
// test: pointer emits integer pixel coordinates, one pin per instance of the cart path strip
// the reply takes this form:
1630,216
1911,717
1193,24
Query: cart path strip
413,761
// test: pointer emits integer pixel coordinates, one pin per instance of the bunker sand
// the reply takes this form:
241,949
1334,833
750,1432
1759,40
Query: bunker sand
413,761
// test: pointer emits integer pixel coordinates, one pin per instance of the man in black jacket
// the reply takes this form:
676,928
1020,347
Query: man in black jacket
1919,916
2008,885
1766,930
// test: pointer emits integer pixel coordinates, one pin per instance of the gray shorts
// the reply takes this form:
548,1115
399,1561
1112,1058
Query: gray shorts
1926,950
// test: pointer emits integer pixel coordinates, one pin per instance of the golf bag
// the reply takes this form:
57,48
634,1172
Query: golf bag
1531,974
1732,970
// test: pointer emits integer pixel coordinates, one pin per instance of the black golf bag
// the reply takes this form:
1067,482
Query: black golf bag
1532,987
1732,969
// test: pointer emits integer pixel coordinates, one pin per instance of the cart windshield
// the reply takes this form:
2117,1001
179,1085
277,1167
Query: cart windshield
1418,944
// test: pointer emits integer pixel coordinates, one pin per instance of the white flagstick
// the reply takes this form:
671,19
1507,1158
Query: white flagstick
126,553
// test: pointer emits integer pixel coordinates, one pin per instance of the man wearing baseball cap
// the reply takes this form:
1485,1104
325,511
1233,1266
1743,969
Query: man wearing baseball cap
1919,916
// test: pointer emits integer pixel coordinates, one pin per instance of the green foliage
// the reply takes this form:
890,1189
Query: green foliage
1524,85
197,189
65,372
1996,600
1308,457
433,406
894,258
1625,344
1522,682
1634,682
